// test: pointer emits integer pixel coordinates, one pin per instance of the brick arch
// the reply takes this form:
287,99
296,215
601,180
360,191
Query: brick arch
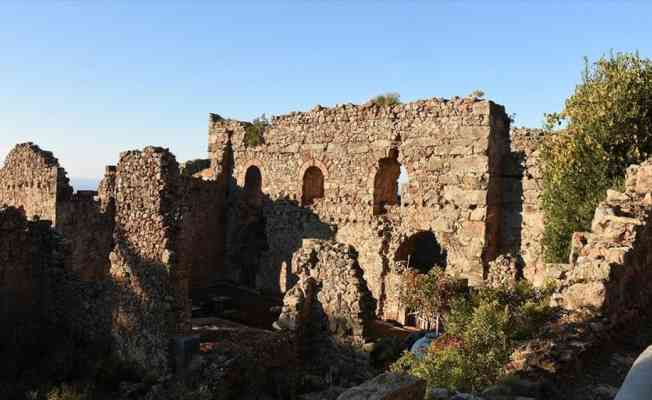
243,172
304,168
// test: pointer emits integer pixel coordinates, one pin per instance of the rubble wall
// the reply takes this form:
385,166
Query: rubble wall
26,255
32,179
452,151
609,270
151,287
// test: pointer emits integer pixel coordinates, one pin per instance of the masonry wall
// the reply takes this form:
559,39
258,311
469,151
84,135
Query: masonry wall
26,255
151,289
202,231
609,271
522,222
32,179
451,151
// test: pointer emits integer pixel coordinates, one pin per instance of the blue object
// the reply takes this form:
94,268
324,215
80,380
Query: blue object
421,345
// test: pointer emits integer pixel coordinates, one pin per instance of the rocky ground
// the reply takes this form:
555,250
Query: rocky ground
602,375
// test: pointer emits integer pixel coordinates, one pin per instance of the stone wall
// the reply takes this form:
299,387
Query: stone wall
87,231
452,151
331,294
168,234
27,252
32,179
151,286
201,239
610,266
522,223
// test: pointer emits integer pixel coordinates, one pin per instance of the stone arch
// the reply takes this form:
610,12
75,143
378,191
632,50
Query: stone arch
253,180
242,176
421,251
385,183
313,185
313,175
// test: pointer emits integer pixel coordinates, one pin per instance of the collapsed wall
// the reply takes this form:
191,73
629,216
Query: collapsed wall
610,266
331,173
331,295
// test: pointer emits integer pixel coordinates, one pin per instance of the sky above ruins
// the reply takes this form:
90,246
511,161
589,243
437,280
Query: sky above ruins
87,80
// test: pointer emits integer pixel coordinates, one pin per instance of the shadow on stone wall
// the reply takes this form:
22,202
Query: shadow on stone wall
263,235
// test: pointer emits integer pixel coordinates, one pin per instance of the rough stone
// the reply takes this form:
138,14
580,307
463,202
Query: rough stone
387,386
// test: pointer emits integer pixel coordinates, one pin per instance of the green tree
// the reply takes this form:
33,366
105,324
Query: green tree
605,126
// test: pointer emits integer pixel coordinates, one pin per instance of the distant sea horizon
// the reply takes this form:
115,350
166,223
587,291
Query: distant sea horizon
84,183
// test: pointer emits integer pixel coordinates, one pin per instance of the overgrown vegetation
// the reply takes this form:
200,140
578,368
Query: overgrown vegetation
255,132
428,295
605,126
482,329
387,99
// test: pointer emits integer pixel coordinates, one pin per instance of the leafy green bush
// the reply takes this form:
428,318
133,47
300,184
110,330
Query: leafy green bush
482,330
387,99
606,125
255,132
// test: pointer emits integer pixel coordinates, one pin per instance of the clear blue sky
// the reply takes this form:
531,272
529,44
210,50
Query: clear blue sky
89,79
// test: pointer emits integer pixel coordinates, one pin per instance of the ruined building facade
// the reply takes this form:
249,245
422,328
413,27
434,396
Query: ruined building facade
156,230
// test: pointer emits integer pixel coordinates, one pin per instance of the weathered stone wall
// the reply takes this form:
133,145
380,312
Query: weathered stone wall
201,239
331,294
26,255
522,223
452,152
610,271
32,179
151,288
87,232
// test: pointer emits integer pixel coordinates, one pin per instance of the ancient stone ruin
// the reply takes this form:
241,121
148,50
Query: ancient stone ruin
321,219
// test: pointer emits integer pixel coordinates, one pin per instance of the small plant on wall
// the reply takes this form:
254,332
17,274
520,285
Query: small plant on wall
255,131
387,99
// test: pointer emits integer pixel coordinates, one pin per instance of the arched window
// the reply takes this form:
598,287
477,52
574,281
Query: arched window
421,251
253,180
386,183
313,185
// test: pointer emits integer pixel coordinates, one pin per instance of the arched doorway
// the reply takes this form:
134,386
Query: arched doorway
386,183
253,180
313,185
421,252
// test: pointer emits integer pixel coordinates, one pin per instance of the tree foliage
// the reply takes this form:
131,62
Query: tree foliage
605,126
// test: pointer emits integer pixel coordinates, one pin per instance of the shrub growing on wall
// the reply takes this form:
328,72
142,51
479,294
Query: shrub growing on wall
255,132
606,126
387,99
